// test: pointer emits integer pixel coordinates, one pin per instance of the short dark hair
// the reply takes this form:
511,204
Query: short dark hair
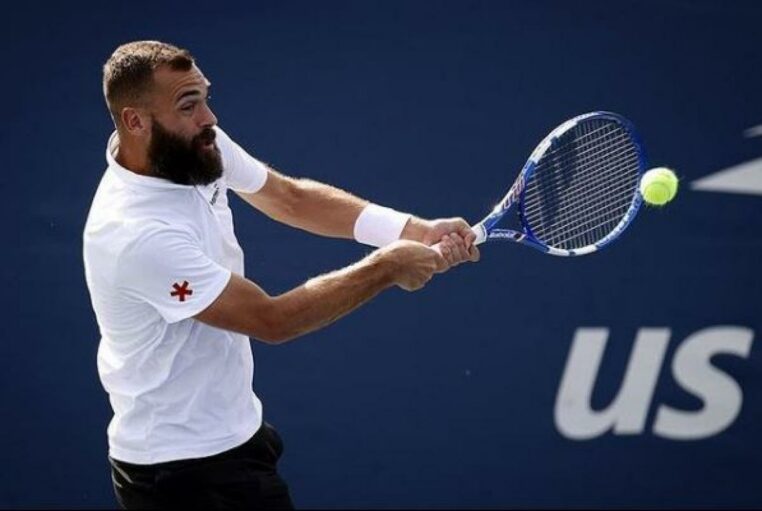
128,73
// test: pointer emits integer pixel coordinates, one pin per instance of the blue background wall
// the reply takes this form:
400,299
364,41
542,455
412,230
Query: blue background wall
443,397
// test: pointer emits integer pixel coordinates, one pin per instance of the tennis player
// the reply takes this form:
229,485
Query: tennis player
166,280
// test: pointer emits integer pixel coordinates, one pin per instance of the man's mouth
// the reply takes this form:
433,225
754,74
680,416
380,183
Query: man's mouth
207,141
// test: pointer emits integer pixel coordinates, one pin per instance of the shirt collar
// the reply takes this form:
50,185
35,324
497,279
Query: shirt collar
131,177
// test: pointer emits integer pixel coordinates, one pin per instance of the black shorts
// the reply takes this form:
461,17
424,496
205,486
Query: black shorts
245,476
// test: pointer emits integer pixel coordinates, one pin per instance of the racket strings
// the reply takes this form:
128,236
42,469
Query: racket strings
602,213
570,184
575,220
583,151
592,152
533,201
592,234
581,226
596,195
546,160
583,186
577,141
605,197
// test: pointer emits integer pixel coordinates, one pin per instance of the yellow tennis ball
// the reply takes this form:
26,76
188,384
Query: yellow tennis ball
658,186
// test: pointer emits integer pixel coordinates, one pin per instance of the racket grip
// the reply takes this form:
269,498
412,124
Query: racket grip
481,234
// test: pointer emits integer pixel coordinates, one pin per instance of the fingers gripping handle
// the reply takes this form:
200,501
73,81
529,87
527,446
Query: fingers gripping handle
481,236
479,231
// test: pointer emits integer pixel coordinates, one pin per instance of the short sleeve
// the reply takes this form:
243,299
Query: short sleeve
167,268
242,172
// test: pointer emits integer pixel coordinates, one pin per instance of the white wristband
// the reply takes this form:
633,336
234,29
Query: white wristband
378,226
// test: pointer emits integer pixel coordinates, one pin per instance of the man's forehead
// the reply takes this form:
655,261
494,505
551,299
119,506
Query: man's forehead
171,82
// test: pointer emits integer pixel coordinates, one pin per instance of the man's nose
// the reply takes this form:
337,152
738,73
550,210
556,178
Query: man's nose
208,119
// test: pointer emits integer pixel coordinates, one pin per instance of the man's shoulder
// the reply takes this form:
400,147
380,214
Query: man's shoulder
133,244
115,201
128,230
120,217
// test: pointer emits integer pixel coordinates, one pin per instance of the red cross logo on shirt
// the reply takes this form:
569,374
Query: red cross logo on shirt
181,291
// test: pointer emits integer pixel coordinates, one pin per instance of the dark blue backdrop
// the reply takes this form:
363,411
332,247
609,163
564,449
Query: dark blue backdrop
444,397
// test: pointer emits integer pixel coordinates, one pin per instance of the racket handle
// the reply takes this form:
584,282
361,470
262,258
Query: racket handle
481,233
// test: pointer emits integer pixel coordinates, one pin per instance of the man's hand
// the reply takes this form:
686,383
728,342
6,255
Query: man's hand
437,229
454,251
454,237
412,263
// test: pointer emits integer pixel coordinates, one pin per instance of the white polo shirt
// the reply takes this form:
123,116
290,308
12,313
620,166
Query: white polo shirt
157,253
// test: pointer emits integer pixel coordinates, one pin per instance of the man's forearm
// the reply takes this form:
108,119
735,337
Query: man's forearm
317,207
324,299
329,211
326,210
314,207
245,307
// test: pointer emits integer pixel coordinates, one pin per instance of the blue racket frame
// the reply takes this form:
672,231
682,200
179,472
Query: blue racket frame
486,230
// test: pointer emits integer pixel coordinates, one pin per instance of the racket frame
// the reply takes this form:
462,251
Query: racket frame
486,231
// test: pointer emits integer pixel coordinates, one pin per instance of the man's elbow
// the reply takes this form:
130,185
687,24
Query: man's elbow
272,337
272,329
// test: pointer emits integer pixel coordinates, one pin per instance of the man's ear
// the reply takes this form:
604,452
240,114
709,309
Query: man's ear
134,121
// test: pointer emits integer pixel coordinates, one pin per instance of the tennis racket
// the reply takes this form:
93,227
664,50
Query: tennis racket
578,191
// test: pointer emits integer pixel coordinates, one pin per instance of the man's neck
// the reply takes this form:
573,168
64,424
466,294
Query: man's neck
131,157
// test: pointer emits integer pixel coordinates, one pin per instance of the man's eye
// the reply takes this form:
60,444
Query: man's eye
187,108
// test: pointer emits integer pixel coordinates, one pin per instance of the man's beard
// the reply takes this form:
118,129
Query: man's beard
183,162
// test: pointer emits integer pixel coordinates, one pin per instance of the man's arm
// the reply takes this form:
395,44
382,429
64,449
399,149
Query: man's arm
314,207
328,211
244,307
